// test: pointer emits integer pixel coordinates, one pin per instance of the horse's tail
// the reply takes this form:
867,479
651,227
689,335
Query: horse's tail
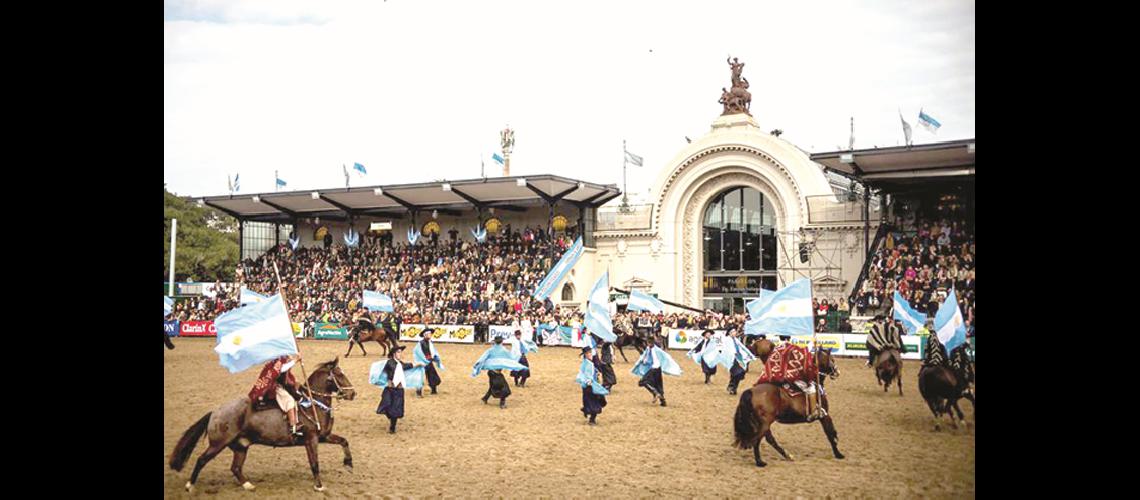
745,422
189,440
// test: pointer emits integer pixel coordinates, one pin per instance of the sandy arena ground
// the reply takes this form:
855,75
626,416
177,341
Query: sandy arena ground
452,445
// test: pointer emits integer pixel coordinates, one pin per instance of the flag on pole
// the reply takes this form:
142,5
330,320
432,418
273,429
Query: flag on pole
756,305
251,297
345,169
280,182
633,159
948,324
376,301
928,122
906,128
167,305
237,182
359,168
912,320
252,335
598,319
787,312
498,159
641,301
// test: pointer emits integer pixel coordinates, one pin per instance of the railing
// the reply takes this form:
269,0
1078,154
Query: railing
879,235
639,217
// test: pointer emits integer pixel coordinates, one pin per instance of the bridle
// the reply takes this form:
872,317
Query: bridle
340,391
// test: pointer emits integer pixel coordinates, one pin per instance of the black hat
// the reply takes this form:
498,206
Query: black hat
426,331
707,332
763,335
586,350
392,353
498,339
785,337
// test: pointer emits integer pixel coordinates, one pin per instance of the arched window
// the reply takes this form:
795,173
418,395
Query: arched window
568,292
739,232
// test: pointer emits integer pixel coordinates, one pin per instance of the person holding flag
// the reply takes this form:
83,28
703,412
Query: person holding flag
428,357
604,361
519,350
493,360
697,354
276,382
391,376
593,393
652,363
741,356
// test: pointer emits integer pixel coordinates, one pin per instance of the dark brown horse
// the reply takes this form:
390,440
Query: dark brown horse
888,367
384,335
826,364
627,336
762,348
235,425
943,386
766,403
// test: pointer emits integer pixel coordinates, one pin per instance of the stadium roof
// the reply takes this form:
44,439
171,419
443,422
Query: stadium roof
449,197
882,167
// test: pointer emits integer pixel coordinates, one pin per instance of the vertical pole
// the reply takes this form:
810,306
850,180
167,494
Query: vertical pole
173,244
866,221
284,300
241,240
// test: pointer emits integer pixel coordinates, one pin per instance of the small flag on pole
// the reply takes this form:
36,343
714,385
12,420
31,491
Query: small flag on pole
906,129
280,182
927,122
633,159
497,158
948,324
237,183
359,168
912,320
641,301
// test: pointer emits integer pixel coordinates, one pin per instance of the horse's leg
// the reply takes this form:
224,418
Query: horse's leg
832,435
765,430
899,381
239,459
622,353
772,441
350,342
335,439
203,459
311,451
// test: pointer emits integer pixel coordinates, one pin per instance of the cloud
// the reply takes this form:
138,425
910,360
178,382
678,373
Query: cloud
273,12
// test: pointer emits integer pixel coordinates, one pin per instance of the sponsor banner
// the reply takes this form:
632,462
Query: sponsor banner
855,344
171,328
329,331
688,338
507,332
298,331
198,329
832,341
443,333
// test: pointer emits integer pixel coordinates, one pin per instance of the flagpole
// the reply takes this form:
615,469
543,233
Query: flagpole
624,164
300,361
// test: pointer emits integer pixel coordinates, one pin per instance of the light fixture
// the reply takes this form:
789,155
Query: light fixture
846,158
434,214
317,221
447,186
492,210
520,182
257,199
315,195
378,192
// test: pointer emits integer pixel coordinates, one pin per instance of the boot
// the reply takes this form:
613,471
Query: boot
392,427
502,403
433,390
707,377
484,398
593,420
662,400
419,393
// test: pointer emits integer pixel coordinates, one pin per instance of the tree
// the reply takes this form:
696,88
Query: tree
207,241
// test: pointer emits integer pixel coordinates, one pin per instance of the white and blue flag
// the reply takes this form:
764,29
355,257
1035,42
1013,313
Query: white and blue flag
498,159
598,319
587,377
755,305
249,336
948,323
376,301
928,122
655,357
786,312
559,271
167,305
359,168
251,297
641,301
912,320
280,182
497,358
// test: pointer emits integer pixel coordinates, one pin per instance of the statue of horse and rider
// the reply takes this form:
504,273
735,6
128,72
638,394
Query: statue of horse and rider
738,99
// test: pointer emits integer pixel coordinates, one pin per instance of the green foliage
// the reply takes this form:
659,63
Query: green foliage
207,241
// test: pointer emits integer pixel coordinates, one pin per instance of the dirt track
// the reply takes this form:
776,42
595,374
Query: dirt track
453,445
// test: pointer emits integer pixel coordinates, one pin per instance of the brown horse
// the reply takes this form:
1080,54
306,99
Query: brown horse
826,364
236,425
766,403
384,335
762,348
627,336
943,386
888,367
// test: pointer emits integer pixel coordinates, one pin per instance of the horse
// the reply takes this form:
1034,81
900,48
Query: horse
166,340
763,404
385,336
943,386
627,336
826,364
237,426
762,348
888,367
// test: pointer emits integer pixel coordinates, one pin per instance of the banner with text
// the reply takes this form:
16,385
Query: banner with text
443,333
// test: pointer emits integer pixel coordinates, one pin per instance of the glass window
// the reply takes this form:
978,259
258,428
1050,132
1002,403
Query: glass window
768,242
731,250
735,226
712,249
752,250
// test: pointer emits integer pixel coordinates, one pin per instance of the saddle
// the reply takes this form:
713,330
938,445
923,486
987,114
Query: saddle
262,404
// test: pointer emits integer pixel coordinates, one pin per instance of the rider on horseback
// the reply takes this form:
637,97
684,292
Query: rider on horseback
363,322
276,380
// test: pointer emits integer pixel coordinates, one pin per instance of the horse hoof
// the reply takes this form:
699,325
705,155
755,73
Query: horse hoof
348,468
318,488
248,486
839,456
189,487
761,464
790,457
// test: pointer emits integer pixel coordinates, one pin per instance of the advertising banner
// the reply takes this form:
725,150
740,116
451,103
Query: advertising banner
198,329
464,334
331,331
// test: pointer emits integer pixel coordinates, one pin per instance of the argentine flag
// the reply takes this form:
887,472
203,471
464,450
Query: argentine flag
252,335
755,305
167,306
376,301
598,319
948,324
927,122
359,168
251,297
498,159
912,320
786,312
641,301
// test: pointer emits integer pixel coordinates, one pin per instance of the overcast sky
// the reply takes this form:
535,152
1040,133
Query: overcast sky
417,90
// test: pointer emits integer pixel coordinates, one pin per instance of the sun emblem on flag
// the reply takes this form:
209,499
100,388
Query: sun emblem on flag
237,340
782,308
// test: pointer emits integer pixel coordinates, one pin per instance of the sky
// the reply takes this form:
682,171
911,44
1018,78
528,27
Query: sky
418,90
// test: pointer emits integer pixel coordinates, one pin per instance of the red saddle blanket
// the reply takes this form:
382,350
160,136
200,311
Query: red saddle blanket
789,363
